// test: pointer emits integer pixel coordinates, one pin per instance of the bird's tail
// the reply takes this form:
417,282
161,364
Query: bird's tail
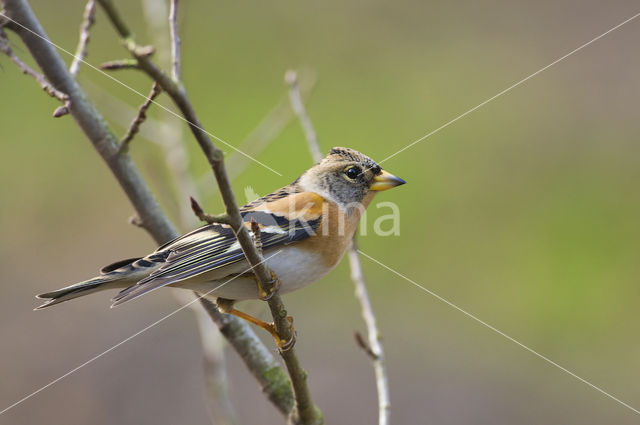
117,275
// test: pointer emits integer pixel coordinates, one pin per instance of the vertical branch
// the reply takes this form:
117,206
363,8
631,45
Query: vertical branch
259,360
175,41
374,349
176,156
291,78
88,19
305,412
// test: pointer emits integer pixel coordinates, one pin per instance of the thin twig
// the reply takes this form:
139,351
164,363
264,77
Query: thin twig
237,332
175,41
208,218
140,117
291,78
26,69
119,64
374,348
376,352
364,345
88,19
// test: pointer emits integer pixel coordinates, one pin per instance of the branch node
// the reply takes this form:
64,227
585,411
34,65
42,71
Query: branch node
208,218
136,221
363,344
142,51
257,240
62,110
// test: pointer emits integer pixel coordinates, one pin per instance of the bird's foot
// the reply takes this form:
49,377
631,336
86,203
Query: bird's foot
273,286
283,345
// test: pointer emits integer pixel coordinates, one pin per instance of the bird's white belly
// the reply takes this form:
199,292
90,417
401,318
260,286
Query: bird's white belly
295,268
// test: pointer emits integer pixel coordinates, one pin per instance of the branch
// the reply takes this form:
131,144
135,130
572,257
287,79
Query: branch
291,78
374,348
88,19
207,218
140,117
258,359
26,25
306,413
51,91
89,119
118,64
175,41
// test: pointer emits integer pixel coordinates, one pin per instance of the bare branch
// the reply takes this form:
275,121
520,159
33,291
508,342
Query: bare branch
208,218
26,69
262,365
89,119
374,348
291,78
375,351
237,332
306,413
135,220
363,344
175,41
119,64
139,119
88,19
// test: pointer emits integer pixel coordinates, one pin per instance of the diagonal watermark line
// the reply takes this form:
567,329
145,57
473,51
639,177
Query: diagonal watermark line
162,319
140,94
511,87
499,332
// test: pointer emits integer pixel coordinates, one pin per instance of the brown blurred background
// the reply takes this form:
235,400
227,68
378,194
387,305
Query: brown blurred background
525,213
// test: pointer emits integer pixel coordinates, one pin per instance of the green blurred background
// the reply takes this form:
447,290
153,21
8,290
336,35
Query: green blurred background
524,213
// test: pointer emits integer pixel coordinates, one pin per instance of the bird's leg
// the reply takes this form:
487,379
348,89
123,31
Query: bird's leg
226,306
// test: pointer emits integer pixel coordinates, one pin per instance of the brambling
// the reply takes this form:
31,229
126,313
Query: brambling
305,228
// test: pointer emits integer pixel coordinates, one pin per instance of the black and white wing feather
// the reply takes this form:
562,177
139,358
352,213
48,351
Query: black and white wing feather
215,246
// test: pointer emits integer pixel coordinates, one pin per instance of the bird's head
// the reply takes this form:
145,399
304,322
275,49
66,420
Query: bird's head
347,176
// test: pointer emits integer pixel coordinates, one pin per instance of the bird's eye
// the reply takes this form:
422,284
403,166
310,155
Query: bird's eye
352,172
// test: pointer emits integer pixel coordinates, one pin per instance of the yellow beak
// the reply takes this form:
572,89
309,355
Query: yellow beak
384,181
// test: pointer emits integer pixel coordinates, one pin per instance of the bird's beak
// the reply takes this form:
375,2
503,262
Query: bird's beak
384,181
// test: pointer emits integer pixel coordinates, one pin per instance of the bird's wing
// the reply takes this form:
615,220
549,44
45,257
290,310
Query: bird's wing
282,220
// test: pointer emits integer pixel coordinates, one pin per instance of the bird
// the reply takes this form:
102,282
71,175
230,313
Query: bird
304,231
